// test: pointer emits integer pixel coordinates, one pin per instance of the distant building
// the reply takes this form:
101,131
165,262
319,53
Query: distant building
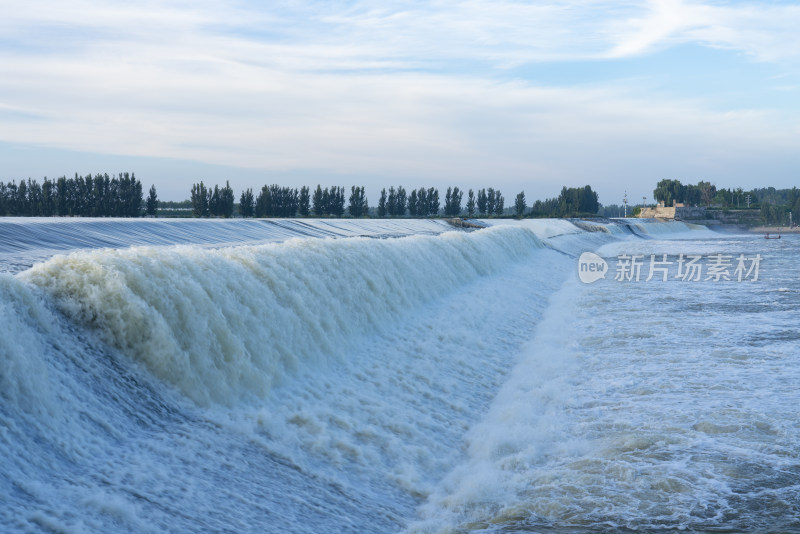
659,212
678,211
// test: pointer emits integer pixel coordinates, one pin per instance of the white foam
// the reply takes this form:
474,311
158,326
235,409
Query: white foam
24,324
224,323
543,228
641,406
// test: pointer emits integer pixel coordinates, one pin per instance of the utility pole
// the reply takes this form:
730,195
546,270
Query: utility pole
625,203
747,200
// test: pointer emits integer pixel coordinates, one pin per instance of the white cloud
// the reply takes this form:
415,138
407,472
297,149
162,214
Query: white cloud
763,32
405,90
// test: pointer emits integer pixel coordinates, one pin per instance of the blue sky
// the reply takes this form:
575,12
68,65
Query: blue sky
516,95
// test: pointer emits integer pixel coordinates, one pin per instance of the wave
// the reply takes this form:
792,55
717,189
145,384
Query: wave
27,241
667,229
224,323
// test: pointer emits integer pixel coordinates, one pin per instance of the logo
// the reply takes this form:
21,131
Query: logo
591,267
663,267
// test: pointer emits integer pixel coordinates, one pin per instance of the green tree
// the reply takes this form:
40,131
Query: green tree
519,204
34,198
423,208
669,192
48,198
471,203
61,196
319,208
391,202
214,202
247,203
200,198
263,202
382,203
22,199
337,201
499,203
326,201
589,202
152,201
483,202
707,192
413,203
400,200
433,201
358,202
303,202
226,201
452,202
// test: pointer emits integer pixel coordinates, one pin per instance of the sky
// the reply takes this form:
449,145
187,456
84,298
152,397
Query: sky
520,96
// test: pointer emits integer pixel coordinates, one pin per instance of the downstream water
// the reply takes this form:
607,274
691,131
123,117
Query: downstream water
391,376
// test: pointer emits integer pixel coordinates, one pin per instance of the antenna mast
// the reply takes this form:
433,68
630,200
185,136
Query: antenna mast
625,204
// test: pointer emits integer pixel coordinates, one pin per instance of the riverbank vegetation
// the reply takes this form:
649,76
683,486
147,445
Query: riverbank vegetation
122,196
775,206
80,196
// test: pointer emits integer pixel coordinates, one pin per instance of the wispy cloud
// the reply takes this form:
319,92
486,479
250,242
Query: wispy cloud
425,89
355,35
762,31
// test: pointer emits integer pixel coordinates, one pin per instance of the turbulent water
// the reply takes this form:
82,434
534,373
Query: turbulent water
390,376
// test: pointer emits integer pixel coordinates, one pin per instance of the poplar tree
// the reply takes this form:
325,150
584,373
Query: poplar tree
200,200
337,201
382,204
452,202
226,200
519,204
471,203
490,201
358,202
326,201
319,207
433,201
303,202
483,201
423,208
391,202
413,203
498,203
400,200
247,203
152,201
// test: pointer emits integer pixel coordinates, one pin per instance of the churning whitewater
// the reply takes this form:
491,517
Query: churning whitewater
389,376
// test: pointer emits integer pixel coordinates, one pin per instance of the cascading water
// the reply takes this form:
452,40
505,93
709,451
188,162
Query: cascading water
437,381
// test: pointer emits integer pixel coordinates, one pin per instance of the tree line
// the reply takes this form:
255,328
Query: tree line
207,202
424,202
571,202
775,205
672,192
122,196
779,207
277,201
79,196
